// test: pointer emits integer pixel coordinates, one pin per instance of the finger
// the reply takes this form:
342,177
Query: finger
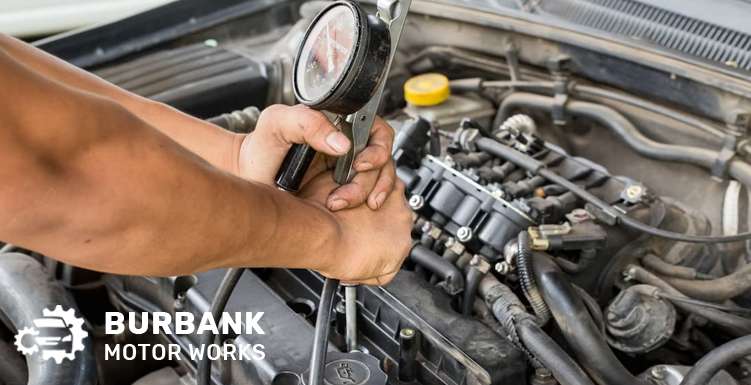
278,128
353,193
383,186
378,151
300,124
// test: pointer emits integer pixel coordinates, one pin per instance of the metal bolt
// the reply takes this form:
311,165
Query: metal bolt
416,202
658,372
543,373
426,227
634,191
628,274
464,234
580,214
407,332
502,268
497,194
180,300
479,263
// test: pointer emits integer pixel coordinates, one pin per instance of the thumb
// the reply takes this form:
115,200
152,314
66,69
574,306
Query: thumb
278,128
301,124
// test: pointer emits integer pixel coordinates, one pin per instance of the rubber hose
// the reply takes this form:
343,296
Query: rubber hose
648,105
577,326
447,271
715,290
527,279
659,266
26,288
321,335
221,297
12,368
717,359
736,325
594,308
565,370
597,92
625,130
474,276
536,167
511,314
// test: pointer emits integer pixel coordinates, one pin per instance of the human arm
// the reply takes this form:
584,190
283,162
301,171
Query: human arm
217,146
223,149
86,181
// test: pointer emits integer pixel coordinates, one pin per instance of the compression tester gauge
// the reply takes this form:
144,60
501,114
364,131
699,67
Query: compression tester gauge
340,68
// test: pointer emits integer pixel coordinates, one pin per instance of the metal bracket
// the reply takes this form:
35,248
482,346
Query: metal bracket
394,14
560,68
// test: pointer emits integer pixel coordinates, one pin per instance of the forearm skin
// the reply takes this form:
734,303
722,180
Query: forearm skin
87,182
217,146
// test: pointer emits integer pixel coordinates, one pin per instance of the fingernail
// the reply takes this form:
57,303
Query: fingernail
380,198
337,141
364,166
337,204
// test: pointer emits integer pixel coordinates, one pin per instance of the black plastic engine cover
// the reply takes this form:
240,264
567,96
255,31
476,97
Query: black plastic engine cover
454,349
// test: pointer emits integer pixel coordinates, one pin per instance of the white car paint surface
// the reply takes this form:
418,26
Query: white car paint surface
25,18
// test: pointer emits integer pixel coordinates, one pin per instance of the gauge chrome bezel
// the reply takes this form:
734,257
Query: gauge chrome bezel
363,70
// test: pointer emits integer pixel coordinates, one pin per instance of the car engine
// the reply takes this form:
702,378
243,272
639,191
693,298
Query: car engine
552,176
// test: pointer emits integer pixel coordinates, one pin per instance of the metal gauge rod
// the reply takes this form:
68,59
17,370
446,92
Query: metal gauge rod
350,313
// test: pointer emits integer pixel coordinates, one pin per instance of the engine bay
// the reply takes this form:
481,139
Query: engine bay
550,184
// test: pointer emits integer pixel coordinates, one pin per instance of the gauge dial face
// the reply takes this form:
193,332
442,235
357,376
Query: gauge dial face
326,53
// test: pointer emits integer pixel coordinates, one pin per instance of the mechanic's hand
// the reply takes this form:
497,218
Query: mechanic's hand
371,245
280,126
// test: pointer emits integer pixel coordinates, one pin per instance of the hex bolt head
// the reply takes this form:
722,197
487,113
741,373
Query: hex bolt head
580,214
464,234
658,372
416,202
407,332
634,191
502,268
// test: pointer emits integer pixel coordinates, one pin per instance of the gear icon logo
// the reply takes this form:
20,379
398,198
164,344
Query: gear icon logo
58,335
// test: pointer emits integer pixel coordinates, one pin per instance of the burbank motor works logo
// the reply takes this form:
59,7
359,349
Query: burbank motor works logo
57,335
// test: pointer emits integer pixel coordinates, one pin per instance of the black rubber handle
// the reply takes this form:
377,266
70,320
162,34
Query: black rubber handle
294,166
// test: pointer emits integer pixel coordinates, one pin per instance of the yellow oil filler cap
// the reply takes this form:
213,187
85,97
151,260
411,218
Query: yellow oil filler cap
427,89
